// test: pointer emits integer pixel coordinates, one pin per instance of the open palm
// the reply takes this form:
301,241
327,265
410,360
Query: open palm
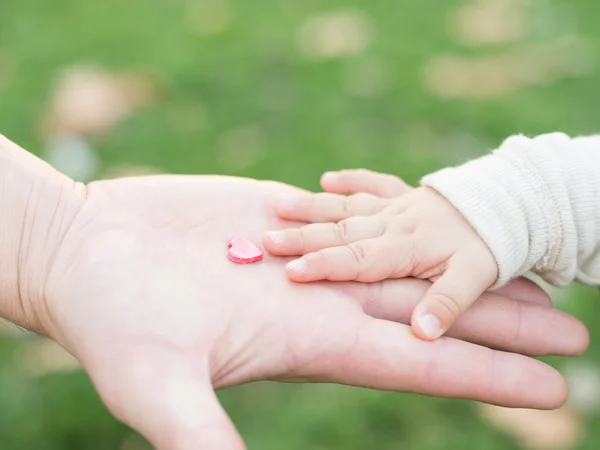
142,293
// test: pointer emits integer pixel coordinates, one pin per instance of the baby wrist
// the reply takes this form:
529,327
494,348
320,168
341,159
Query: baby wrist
508,199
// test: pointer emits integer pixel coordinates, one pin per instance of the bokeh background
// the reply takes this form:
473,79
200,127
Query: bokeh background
286,89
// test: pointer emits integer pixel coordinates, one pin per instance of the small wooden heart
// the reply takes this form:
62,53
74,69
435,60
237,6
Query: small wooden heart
242,251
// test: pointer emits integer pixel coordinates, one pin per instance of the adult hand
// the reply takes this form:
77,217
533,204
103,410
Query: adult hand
131,276
142,293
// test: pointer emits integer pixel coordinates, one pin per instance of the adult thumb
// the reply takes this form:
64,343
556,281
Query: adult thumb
171,404
196,420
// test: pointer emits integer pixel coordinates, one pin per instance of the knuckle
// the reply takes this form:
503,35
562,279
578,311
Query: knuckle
341,230
346,207
301,238
354,202
448,303
406,258
378,223
396,207
425,271
404,225
307,205
358,253
322,256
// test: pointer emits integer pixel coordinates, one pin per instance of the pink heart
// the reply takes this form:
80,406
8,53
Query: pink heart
242,251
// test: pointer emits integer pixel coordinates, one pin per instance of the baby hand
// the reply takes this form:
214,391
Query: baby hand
419,234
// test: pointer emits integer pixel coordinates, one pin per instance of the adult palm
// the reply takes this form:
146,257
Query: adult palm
142,293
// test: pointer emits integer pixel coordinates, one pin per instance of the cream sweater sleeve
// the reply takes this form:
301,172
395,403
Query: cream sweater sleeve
535,203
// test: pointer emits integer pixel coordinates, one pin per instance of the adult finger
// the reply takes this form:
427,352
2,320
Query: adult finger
387,356
314,237
361,180
325,207
525,290
494,320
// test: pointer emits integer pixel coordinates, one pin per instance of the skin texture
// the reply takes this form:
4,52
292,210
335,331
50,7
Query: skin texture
142,293
131,276
416,233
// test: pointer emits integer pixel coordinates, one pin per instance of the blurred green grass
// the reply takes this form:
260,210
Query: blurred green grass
253,76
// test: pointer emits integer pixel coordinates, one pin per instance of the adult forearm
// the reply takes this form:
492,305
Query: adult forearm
37,204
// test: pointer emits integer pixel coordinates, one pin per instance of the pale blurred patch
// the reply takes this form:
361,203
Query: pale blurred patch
335,34
459,146
560,429
90,101
7,68
240,148
188,117
447,147
73,156
484,22
129,170
417,139
209,17
487,77
41,357
583,379
276,95
365,78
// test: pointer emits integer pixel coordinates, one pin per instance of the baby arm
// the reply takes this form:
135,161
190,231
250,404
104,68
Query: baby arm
535,203
532,204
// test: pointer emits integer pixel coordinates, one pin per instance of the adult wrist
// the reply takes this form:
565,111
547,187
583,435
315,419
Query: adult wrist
37,206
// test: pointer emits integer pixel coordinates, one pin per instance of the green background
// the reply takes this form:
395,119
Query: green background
299,116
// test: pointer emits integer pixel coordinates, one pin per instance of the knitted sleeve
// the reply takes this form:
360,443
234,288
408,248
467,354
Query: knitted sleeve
535,203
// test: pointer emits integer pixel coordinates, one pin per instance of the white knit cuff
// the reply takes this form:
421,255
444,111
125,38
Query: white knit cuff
490,192
535,203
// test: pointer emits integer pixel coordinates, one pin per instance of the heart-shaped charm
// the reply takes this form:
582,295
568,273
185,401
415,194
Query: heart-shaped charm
242,251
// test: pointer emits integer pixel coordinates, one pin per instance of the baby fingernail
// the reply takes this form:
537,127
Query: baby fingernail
286,202
276,236
430,326
298,265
